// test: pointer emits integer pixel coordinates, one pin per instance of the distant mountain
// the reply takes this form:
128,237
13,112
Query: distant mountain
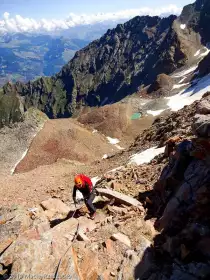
125,58
25,57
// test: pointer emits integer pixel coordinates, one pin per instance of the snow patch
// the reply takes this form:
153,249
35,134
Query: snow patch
186,72
179,86
105,156
197,53
146,156
113,141
183,26
119,147
155,113
182,80
22,157
189,95
95,131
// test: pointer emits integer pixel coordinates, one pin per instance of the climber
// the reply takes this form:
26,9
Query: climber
85,186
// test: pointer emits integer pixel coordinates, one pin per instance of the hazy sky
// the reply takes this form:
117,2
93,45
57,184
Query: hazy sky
38,9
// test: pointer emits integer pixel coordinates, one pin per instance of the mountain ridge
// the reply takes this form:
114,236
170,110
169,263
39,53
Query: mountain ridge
128,57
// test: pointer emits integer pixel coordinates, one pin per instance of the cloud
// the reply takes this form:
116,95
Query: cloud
20,24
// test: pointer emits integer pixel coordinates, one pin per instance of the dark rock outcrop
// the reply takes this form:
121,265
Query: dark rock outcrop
11,108
204,66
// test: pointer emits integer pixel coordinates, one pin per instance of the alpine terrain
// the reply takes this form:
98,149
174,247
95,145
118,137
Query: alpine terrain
131,111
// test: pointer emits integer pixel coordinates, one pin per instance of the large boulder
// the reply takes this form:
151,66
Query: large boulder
204,66
122,198
204,106
12,223
41,252
201,125
55,205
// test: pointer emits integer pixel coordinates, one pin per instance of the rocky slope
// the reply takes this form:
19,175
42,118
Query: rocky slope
167,239
119,62
65,139
16,139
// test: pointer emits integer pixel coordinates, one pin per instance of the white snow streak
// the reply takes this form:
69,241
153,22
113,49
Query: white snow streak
185,72
155,113
113,141
197,53
105,156
182,80
146,156
119,147
188,96
25,153
22,157
179,86
205,53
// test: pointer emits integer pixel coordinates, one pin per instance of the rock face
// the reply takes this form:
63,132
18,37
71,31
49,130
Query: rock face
204,106
118,63
11,107
162,85
204,20
201,125
176,202
204,66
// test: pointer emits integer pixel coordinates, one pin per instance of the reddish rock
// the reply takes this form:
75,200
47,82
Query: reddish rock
4,244
89,265
30,234
109,245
